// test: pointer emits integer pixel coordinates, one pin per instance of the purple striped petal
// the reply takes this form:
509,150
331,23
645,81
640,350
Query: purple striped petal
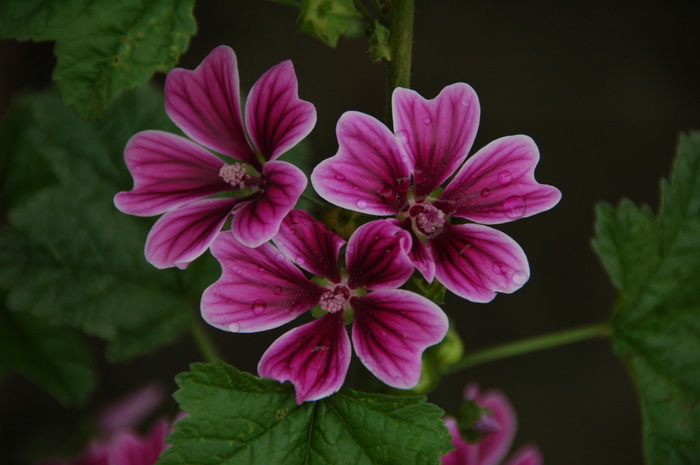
497,184
369,173
476,261
527,455
314,357
310,244
182,235
437,134
420,255
259,288
258,220
494,447
168,171
205,104
377,256
465,454
276,118
392,328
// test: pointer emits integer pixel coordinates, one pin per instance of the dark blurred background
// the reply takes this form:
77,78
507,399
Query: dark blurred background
602,87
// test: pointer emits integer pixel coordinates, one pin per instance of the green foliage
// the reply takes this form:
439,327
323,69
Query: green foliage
68,258
103,46
327,20
379,47
237,418
654,261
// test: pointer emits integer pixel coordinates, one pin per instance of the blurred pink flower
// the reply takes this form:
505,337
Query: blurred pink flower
373,170
175,175
499,430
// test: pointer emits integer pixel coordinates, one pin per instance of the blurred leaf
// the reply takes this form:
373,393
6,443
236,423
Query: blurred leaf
68,256
234,417
654,261
53,357
327,20
103,46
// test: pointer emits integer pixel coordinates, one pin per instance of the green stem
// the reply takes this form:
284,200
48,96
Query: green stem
398,70
313,199
545,341
204,343
364,12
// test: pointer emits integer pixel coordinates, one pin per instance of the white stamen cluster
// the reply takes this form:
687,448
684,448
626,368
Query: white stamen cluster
235,175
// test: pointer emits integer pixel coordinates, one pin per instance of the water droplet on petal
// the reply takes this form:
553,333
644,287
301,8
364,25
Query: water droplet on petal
427,121
519,278
229,301
258,306
500,268
279,256
402,136
261,270
514,207
485,192
234,327
354,187
505,178
339,177
300,260
361,204
277,290
296,220
465,103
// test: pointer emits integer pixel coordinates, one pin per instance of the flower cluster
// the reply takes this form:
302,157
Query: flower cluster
279,263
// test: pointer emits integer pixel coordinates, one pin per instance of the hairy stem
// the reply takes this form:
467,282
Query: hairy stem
524,346
398,70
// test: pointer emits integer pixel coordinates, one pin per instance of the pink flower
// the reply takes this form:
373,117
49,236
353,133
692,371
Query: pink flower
372,170
261,288
492,449
174,175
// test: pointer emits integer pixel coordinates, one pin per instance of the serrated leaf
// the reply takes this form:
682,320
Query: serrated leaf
327,20
102,46
55,358
68,256
655,263
234,417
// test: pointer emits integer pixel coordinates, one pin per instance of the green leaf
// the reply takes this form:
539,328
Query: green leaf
103,46
654,261
327,20
234,417
379,48
53,357
68,256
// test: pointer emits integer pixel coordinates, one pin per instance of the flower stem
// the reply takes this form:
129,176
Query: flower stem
524,346
313,199
205,345
398,70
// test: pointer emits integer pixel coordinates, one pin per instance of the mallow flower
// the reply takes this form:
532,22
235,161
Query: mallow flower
380,172
264,287
498,429
176,175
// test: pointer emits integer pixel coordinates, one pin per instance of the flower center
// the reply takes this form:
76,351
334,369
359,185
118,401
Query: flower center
333,301
235,175
428,219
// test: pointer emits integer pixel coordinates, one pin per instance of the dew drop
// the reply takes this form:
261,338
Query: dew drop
300,260
258,306
279,256
354,187
465,103
296,220
427,121
261,270
519,278
403,136
234,327
514,207
229,301
505,178
361,204
500,268
387,192
277,290
339,177
485,192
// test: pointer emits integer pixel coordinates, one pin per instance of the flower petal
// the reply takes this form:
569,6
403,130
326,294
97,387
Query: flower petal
527,455
168,171
377,256
437,134
259,288
276,118
314,357
476,261
310,244
465,453
185,233
420,254
259,220
369,173
494,447
205,104
392,328
497,184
